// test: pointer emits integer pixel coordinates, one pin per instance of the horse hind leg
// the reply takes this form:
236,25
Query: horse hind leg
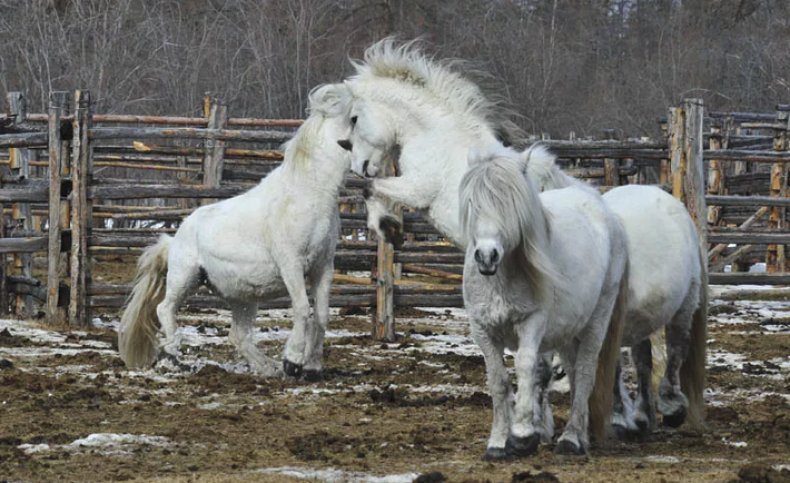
181,279
623,406
645,410
672,403
544,419
243,337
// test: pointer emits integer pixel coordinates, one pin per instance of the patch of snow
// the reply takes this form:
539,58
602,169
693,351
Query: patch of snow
333,475
106,443
666,459
34,448
734,444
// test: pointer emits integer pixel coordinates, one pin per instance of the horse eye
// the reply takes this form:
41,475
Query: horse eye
354,120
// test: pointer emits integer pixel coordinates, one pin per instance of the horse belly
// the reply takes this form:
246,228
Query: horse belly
254,281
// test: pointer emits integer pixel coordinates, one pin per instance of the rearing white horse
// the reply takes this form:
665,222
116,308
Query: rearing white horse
403,98
258,245
541,273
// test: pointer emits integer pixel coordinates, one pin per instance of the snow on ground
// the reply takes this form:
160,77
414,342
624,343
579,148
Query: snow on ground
103,443
332,475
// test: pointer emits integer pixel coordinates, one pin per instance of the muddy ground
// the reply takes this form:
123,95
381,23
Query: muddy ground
384,412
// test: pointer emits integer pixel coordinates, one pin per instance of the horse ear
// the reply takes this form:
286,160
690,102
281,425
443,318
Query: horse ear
330,100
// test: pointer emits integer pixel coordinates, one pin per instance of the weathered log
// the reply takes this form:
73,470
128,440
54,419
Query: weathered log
23,140
750,278
189,133
746,201
779,238
748,155
23,245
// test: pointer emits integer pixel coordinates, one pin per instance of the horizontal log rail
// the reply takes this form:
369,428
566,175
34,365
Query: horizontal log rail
746,200
778,238
188,133
754,156
750,278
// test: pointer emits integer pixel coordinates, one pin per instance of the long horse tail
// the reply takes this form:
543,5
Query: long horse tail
602,397
137,341
692,372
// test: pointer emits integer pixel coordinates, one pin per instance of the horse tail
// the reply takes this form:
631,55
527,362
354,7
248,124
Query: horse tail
602,397
137,342
692,372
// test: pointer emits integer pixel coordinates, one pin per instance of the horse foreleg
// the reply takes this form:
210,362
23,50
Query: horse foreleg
321,285
294,354
524,434
416,191
243,337
501,392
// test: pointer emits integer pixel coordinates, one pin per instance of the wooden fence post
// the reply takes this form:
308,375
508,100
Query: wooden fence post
715,175
384,322
688,184
775,255
611,166
80,209
214,159
57,103
20,212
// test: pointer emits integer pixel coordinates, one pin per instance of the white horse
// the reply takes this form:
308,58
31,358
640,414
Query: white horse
542,272
258,245
665,290
403,98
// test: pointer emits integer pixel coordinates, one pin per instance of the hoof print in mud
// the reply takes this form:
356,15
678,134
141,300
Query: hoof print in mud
569,448
674,420
313,375
393,231
291,369
496,454
522,446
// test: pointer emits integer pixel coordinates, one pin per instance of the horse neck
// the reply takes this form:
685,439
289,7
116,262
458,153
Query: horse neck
313,163
441,152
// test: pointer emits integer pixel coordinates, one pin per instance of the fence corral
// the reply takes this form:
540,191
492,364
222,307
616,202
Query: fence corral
119,181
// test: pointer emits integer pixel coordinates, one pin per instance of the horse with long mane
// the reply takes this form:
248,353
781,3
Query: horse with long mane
261,244
402,98
666,289
542,272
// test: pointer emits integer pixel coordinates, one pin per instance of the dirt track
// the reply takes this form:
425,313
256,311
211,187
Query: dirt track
397,410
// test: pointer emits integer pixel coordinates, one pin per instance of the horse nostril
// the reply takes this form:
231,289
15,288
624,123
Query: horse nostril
494,256
365,167
345,144
478,256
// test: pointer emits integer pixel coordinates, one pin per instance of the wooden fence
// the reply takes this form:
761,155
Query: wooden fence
119,181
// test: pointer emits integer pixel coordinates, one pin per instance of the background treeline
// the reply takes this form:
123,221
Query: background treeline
565,66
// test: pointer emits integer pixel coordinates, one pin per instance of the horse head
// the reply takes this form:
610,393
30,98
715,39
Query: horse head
372,136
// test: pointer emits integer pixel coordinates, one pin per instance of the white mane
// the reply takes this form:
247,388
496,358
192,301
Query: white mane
495,185
540,165
407,63
324,101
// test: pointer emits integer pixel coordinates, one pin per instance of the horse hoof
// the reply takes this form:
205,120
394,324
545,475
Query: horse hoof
393,230
313,375
526,446
569,448
496,454
676,419
643,426
291,369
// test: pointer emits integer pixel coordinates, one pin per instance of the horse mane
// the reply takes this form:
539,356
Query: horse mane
495,185
324,101
540,165
406,62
